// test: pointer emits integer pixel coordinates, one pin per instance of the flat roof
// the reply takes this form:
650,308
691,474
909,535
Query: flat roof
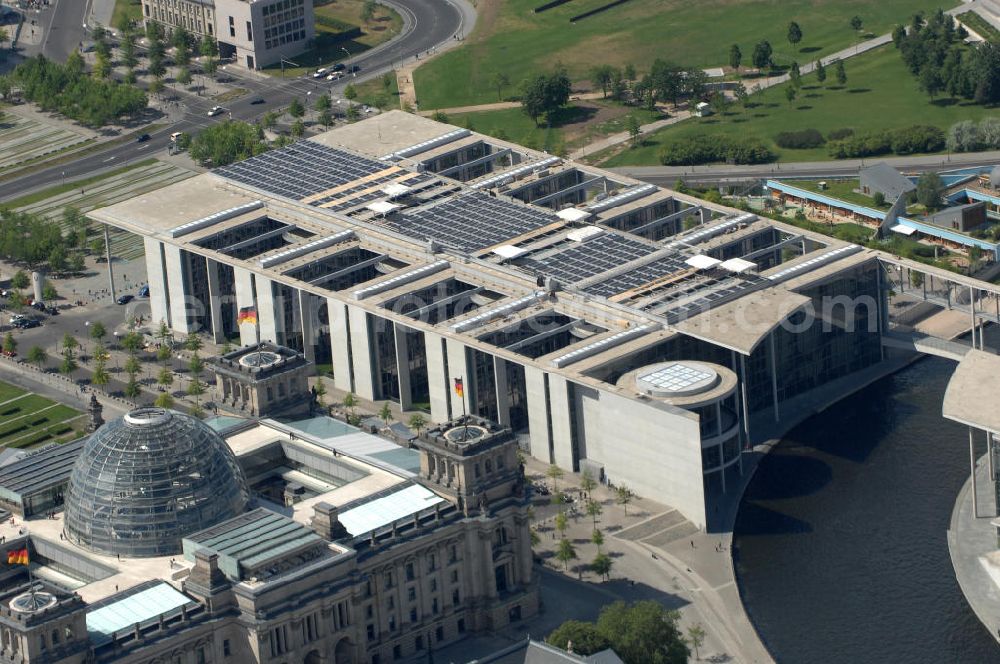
396,506
142,604
967,397
43,469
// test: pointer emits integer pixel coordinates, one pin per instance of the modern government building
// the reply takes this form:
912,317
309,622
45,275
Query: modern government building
611,325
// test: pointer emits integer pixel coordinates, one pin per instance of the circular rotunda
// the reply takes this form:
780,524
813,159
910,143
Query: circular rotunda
148,479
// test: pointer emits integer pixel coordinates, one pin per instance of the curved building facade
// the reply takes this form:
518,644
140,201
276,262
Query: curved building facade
146,480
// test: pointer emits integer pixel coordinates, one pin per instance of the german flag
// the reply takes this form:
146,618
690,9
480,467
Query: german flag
17,556
247,315
459,389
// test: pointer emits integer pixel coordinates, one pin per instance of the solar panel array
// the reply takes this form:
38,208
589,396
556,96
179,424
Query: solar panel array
601,253
472,220
300,170
715,293
639,276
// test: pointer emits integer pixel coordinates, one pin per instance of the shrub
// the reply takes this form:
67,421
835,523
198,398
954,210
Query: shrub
799,140
707,149
918,138
907,140
840,134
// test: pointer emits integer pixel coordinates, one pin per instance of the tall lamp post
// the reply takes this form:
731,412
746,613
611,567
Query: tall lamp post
344,49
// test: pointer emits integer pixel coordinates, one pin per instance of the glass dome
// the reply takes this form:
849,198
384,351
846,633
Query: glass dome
148,479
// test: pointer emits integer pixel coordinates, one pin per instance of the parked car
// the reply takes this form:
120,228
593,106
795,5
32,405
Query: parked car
257,100
340,66
174,136
124,299
319,73
335,76
27,323
53,311
216,110
144,290
142,138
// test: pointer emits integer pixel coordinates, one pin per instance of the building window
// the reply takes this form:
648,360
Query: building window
375,659
411,593
454,576
452,554
227,650
397,652
388,580
413,615
456,597
460,625
434,606
249,32
200,659
499,462
392,623
431,563
369,612
420,643
409,572
434,585
439,633
392,602
371,632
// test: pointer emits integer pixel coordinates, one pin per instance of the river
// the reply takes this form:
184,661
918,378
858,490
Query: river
840,541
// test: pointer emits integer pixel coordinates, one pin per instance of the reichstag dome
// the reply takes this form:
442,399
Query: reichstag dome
148,479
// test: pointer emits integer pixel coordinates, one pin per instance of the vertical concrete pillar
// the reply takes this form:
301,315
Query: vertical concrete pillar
745,399
361,352
107,256
158,292
175,270
403,366
309,320
538,414
214,303
972,464
503,401
245,297
340,352
972,312
562,429
37,285
437,377
774,378
270,317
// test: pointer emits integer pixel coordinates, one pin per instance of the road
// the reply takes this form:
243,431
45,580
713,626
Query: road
667,175
428,24
64,28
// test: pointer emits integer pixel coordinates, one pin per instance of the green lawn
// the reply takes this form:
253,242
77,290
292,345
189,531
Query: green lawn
131,9
880,94
374,92
573,128
842,189
33,419
509,38
980,26
329,45
8,392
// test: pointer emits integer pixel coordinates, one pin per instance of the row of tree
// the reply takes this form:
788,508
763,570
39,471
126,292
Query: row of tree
934,52
35,241
68,90
968,136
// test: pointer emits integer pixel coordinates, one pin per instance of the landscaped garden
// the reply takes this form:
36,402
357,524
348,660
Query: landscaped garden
27,419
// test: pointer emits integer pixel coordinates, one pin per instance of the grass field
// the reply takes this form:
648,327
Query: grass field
28,419
842,189
509,38
876,81
131,9
329,49
374,93
980,26
577,125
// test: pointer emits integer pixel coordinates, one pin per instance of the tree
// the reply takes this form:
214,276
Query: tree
633,128
628,72
762,54
566,552
878,198
320,391
102,66
49,291
132,342
195,389
298,128
322,103
643,632
296,109
76,263
499,80
9,343
37,355
546,94
350,402
840,73
20,280
820,71
165,377
585,637
269,120
98,331
587,482
164,400
794,33
742,96
352,113
735,56
554,473
208,47
132,365
196,365
597,539
601,565
416,422
385,413
795,75
696,635
624,496
100,377
718,103
69,342
930,190
184,76
325,118
68,364
856,23
132,387
164,335
368,11
561,523
350,92
790,93
930,81
594,510
601,76
227,142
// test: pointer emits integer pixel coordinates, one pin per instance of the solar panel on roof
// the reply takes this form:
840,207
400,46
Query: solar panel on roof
601,253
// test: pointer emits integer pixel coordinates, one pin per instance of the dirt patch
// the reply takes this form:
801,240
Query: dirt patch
587,124
486,20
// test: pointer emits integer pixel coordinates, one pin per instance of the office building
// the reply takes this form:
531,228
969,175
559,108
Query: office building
613,325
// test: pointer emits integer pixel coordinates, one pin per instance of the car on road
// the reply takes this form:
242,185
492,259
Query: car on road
27,323
340,66
216,110
124,299
38,306
16,317
144,291
335,76
257,100
319,73
174,136
354,69
142,138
